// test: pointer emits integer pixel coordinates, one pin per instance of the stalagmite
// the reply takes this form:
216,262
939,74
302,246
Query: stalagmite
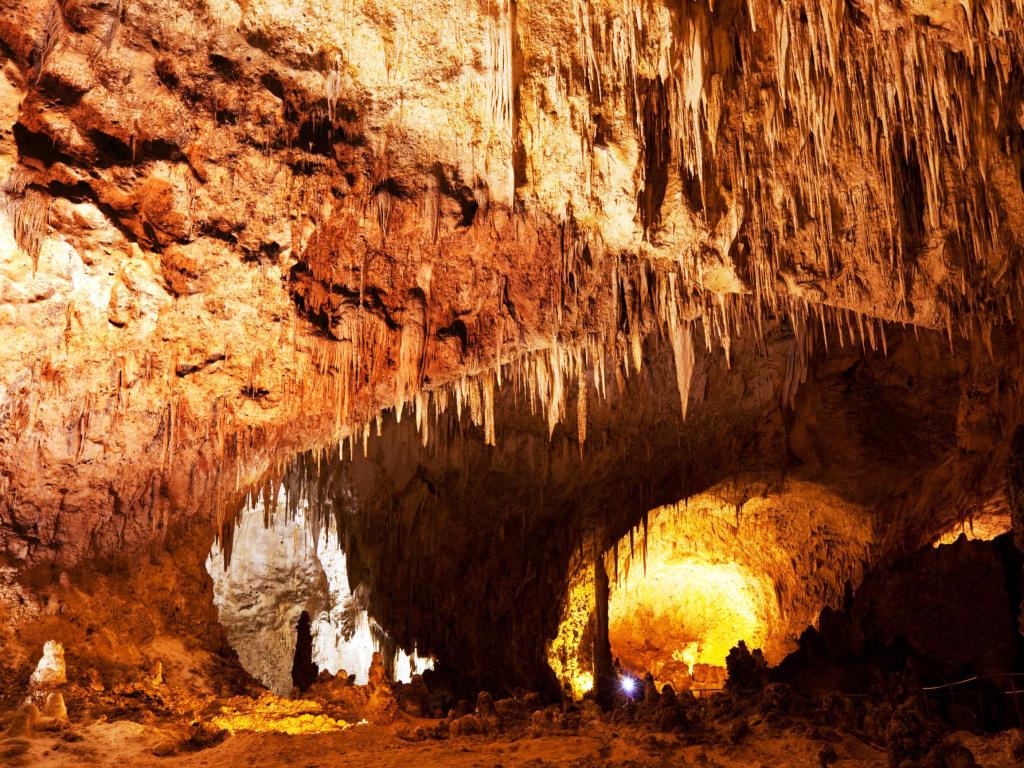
50,670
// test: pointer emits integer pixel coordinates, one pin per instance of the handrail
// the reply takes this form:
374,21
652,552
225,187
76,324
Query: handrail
972,679
936,690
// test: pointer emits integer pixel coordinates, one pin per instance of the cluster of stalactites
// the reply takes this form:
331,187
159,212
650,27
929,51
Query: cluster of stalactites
555,373
836,135
850,89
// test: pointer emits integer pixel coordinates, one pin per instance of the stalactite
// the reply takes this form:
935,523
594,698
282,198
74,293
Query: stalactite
333,87
581,409
54,32
29,210
681,338
798,360
488,409
497,62
383,204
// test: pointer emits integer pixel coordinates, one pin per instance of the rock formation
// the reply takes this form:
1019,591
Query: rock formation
237,231
279,572
507,297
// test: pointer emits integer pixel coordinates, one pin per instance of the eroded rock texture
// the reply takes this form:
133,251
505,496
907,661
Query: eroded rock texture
277,573
504,276
233,231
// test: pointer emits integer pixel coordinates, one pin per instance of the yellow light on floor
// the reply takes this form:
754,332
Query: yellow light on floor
274,714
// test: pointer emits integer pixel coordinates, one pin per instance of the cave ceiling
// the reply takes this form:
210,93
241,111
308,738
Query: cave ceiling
236,232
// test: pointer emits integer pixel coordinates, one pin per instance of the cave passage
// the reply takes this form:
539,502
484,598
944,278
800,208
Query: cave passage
755,554
280,569
679,620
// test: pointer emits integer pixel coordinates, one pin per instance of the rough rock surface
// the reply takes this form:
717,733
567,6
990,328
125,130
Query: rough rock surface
951,608
261,593
541,233
277,572
232,231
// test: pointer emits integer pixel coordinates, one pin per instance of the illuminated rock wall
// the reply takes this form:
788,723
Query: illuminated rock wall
233,231
700,575
275,573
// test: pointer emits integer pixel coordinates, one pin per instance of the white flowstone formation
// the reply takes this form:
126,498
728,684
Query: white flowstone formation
276,573
50,670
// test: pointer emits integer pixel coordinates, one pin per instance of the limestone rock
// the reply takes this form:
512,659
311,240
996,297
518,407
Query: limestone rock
50,671
23,722
382,707
55,708
54,715
163,207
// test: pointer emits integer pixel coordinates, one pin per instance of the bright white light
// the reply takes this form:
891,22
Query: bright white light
628,684
277,572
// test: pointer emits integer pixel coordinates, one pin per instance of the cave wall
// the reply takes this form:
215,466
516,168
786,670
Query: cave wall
233,231
951,608
275,571
125,625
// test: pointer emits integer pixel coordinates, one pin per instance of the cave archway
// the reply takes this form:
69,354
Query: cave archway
699,576
426,527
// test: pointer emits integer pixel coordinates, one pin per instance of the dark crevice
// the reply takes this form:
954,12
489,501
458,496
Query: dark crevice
224,66
81,192
456,330
657,153
323,315
304,670
39,146
273,84
459,192
254,392
186,369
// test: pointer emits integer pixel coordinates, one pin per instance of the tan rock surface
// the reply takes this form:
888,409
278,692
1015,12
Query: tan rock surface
233,231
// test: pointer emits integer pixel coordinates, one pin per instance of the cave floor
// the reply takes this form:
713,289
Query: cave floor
127,743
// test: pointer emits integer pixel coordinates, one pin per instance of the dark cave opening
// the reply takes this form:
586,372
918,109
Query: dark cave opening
304,670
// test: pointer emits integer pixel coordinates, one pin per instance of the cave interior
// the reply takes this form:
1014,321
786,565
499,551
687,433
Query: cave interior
512,382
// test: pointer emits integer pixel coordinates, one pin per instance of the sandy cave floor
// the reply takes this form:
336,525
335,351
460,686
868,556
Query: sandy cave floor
597,744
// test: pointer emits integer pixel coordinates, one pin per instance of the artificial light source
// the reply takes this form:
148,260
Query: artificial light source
628,685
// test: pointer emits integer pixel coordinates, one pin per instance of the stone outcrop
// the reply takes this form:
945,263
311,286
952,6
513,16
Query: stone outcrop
278,571
952,608
50,671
